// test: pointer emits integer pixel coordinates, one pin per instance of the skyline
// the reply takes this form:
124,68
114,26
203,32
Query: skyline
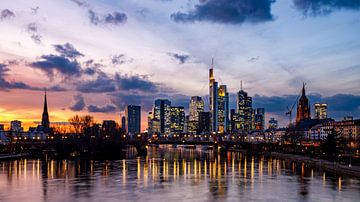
143,50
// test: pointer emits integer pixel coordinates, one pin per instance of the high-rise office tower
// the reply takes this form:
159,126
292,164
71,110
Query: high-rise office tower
244,110
133,119
273,123
213,101
204,122
123,123
303,108
177,117
196,106
320,110
259,119
162,110
223,109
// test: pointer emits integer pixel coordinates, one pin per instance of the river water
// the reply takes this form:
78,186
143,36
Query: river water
172,174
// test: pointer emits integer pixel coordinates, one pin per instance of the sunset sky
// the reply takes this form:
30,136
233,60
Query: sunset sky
95,57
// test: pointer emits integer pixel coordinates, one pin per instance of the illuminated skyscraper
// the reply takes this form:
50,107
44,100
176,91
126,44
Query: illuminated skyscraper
133,119
303,108
244,111
259,119
213,101
162,112
177,117
196,106
320,110
223,109
273,123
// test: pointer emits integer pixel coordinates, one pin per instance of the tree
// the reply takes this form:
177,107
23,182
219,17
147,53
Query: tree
329,146
87,121
75,121
81,123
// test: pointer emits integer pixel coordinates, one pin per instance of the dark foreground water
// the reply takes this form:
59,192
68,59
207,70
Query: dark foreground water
172,174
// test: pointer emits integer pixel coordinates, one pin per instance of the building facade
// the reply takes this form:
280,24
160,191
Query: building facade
223,109
133,119
213,100
259,119
162,110
177,117
204,123
303,107
244,111
320,110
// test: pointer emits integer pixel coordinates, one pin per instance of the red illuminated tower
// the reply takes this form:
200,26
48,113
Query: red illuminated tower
303,108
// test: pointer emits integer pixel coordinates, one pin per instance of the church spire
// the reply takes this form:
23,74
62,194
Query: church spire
45,115
303,90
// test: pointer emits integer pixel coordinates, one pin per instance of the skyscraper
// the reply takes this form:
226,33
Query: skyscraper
162,110
303,108
320,110
223,109
45,115
177,116
259,118
133,119
196,106
204,122
273,123
244,110
213,101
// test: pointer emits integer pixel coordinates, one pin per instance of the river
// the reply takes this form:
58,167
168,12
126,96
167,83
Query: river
172,174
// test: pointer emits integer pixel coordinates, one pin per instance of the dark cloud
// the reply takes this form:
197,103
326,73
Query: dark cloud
324,7
80,3
52,64
67,50
228,11
181,58
32,29
253,59
115,18
35,10
120,59
57,88
7,85
135,82
94,18
103,109
6,14
91,67
101,84
78,104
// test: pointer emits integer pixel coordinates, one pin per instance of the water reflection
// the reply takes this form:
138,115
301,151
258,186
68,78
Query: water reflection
169,173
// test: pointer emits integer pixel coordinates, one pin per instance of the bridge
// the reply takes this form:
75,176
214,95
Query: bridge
110,148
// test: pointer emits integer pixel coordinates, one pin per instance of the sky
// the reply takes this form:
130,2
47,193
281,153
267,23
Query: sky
96,57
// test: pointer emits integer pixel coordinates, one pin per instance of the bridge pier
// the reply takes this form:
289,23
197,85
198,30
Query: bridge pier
141,149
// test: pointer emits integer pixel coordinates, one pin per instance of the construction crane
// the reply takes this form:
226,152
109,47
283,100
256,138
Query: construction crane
289,112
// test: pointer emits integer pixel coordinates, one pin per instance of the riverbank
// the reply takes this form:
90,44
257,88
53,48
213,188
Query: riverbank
13,156
320,164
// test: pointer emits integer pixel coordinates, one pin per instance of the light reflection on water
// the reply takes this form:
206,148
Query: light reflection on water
175,174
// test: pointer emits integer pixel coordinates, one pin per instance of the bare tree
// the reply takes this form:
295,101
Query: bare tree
75,121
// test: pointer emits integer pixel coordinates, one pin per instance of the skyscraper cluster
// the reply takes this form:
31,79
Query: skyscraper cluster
165,119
